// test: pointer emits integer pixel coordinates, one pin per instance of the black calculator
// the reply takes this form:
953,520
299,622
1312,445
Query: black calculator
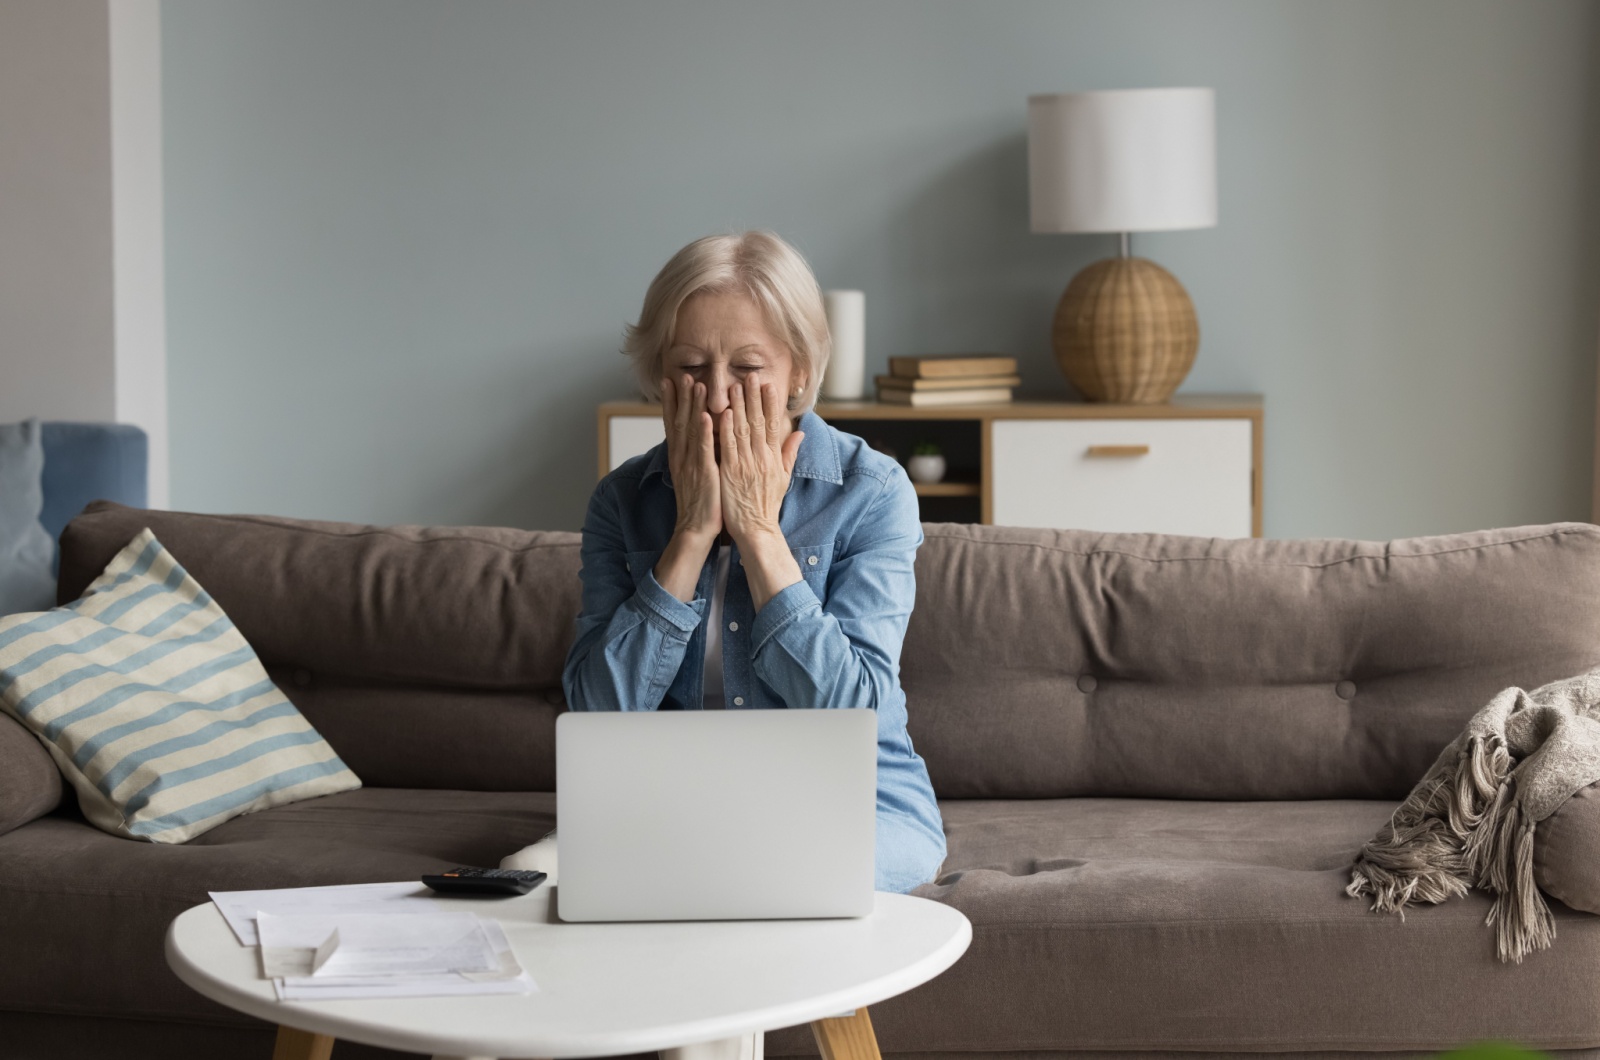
484,883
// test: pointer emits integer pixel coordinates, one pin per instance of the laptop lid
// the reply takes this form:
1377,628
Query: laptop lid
715,815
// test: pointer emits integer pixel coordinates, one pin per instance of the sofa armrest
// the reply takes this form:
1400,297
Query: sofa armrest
30,783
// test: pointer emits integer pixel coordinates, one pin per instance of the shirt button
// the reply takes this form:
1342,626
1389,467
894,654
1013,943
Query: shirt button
733,627
811,561
738,701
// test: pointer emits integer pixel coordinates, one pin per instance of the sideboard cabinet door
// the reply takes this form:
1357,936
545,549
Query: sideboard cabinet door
628,436
1169,476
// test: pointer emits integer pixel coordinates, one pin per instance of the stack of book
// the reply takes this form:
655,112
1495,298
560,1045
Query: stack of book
961,379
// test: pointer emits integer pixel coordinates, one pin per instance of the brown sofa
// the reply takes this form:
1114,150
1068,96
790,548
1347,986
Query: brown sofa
1155,755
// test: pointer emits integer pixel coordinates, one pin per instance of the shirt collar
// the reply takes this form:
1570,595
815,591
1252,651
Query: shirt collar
818,457
819,452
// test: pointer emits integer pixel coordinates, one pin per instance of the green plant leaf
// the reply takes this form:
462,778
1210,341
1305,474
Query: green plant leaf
1493,1051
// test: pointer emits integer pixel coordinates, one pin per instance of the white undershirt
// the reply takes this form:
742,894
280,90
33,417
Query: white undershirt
712,698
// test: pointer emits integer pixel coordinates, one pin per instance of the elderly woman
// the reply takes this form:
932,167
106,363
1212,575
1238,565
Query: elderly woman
757,558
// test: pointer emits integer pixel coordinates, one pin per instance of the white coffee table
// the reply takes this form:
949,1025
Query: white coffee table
607,989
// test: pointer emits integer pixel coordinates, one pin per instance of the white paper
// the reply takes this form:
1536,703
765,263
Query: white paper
319,957
452,986
240,908
342,945
508,978
409,945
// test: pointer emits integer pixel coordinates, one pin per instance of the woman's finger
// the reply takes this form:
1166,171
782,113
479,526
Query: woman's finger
730,448
775,411
754,410
669,404
791,449
704,427
697,404
685,393
708,449
741,421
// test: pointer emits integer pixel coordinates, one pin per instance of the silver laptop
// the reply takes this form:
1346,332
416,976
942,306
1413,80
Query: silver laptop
715,815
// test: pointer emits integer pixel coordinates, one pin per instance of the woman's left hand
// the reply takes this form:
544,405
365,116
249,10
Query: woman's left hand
756,463
757,460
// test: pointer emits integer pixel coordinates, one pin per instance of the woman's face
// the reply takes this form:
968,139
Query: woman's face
722,340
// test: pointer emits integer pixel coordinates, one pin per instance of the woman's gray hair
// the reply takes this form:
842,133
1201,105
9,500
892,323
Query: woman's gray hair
757,263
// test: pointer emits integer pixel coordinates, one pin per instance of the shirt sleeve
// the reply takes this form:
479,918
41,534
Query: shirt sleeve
848,653
630,641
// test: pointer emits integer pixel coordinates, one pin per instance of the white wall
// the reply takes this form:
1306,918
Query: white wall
56,307
82,284
404,235
139,340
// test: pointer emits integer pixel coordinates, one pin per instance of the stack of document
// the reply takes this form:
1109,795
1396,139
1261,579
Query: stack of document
371,940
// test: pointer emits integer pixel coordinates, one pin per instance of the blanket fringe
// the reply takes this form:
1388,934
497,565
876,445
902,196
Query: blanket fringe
1461,828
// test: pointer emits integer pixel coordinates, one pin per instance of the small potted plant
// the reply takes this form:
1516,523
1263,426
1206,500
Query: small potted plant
926,463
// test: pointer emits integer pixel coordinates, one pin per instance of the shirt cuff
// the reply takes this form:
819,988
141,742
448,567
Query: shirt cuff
667,610
790,603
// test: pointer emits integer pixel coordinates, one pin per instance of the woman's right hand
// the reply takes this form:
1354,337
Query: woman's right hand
691,456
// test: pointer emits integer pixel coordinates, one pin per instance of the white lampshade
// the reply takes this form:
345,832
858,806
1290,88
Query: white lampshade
1140,160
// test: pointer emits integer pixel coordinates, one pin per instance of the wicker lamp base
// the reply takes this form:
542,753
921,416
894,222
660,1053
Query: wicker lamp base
1125,331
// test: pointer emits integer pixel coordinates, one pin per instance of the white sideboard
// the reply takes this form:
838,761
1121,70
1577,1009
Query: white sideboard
1192,466
1137,476
627,436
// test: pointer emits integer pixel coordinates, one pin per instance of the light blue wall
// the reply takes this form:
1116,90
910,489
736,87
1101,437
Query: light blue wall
403,237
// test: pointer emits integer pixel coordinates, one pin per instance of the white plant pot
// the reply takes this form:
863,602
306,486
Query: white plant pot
926,469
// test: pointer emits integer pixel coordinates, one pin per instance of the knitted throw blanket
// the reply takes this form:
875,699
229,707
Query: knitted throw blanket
1470,821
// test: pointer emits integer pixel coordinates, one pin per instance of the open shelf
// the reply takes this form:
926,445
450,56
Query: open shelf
949,489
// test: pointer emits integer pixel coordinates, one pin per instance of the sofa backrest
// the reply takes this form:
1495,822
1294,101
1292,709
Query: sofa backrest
427,657
1038,663
1047,664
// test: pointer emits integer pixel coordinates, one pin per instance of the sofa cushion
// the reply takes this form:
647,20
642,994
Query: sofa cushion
394,642
1566,851
70,894
1104,924
1046,664
30,783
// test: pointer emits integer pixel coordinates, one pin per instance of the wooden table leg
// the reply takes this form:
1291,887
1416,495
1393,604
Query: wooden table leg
847,1037
302,1045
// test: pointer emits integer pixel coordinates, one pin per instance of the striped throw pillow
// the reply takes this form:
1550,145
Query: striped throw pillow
154,706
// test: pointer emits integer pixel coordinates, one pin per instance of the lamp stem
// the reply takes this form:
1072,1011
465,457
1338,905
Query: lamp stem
1126,242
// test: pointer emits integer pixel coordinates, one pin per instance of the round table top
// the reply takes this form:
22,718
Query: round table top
608,989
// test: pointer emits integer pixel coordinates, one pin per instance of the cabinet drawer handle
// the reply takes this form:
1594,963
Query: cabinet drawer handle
1118,450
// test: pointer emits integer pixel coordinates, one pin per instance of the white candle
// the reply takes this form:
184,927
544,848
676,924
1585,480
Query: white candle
846,378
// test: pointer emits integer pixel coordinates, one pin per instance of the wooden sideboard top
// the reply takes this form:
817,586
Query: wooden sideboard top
1182,406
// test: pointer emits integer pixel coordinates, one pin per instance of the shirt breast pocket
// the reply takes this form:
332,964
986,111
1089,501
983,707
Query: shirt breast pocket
815,561
642,563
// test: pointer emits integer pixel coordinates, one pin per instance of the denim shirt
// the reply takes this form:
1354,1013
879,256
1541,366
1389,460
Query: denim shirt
830,640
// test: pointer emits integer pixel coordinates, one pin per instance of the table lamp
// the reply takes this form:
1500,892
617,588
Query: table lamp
1140,160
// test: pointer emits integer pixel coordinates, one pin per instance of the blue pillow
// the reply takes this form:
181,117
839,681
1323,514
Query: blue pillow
26,550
